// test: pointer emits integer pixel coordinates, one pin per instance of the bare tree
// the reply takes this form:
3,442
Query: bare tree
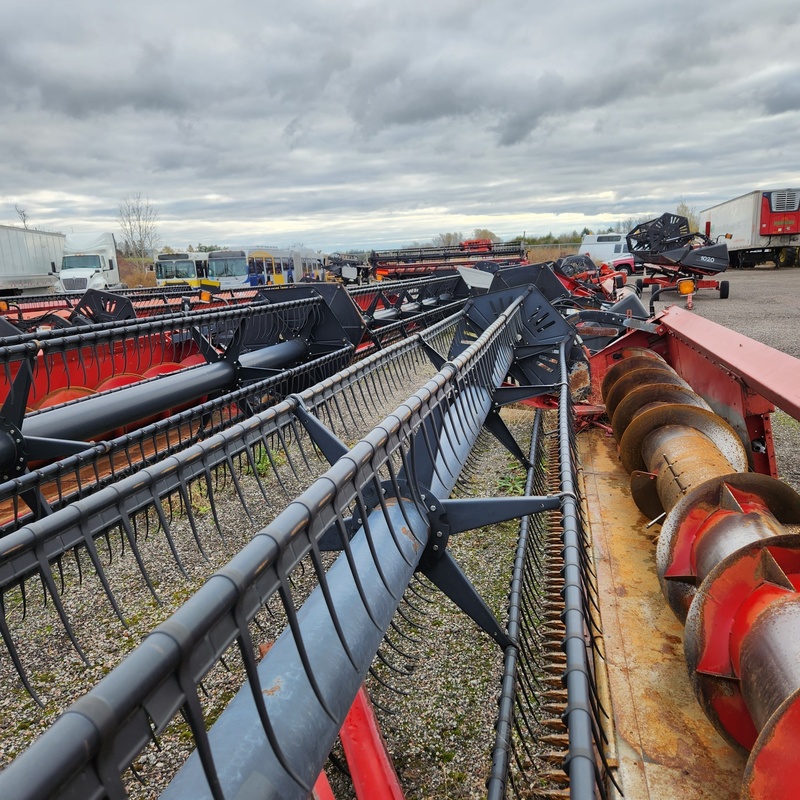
22,214
137,219
690,213
448,239
485,233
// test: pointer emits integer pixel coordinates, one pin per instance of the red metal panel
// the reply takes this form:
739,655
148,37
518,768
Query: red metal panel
742,379
322,789
777,223
762,369
371,768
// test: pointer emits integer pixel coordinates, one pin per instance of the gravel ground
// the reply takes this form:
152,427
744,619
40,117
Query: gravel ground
764,304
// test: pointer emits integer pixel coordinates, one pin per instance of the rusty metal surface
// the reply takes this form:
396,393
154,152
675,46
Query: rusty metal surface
738,597
681,458
680,529
667,749
726,564
655,372
643,397
707,423
775,754
625,360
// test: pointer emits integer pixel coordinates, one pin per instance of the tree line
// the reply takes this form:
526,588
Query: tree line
138,222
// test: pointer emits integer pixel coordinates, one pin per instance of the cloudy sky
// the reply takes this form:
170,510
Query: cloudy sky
361,123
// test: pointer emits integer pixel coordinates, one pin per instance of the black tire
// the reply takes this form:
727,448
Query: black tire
639,285
724,290
785,257
626,269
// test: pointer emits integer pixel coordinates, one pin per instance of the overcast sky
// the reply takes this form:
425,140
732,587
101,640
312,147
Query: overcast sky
358,123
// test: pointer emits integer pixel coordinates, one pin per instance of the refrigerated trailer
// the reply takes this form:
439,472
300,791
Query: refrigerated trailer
29,260
763,226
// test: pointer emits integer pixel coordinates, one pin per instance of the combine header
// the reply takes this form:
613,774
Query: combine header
419,261
678,259
344,517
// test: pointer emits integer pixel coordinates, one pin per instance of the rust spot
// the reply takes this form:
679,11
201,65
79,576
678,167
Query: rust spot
410,536
580,383
274,689
264,648
392,501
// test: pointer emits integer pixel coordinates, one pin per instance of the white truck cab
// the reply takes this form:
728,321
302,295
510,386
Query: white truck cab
89,262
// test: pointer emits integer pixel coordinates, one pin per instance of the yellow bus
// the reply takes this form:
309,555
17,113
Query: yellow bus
179,268
276,266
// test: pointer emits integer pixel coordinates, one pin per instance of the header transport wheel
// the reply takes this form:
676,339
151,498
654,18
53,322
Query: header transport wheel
724,290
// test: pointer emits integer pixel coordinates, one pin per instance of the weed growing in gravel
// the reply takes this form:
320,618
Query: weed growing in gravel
513,481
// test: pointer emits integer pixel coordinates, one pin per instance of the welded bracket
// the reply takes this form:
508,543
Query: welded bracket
496,425
206,348
505,395
330,445
449,578
448,517
18,449
435,358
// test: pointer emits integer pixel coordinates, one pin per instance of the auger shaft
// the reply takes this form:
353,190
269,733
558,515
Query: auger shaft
727,565
106,412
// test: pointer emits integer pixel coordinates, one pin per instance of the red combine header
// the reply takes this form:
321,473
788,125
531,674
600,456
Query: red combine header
420,261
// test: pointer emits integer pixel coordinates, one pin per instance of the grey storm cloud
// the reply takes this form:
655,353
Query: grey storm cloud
779,91
358,123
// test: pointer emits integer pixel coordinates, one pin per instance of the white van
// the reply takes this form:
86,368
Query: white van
604,247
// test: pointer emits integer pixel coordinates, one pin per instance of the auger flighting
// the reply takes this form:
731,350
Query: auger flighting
727,565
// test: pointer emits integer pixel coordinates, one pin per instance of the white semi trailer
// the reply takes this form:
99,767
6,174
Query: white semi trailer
29,261
762,226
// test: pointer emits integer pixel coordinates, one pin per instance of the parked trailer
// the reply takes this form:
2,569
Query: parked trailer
763,226
29,261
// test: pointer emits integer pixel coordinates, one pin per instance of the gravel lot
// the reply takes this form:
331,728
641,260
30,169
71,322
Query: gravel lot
764,304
